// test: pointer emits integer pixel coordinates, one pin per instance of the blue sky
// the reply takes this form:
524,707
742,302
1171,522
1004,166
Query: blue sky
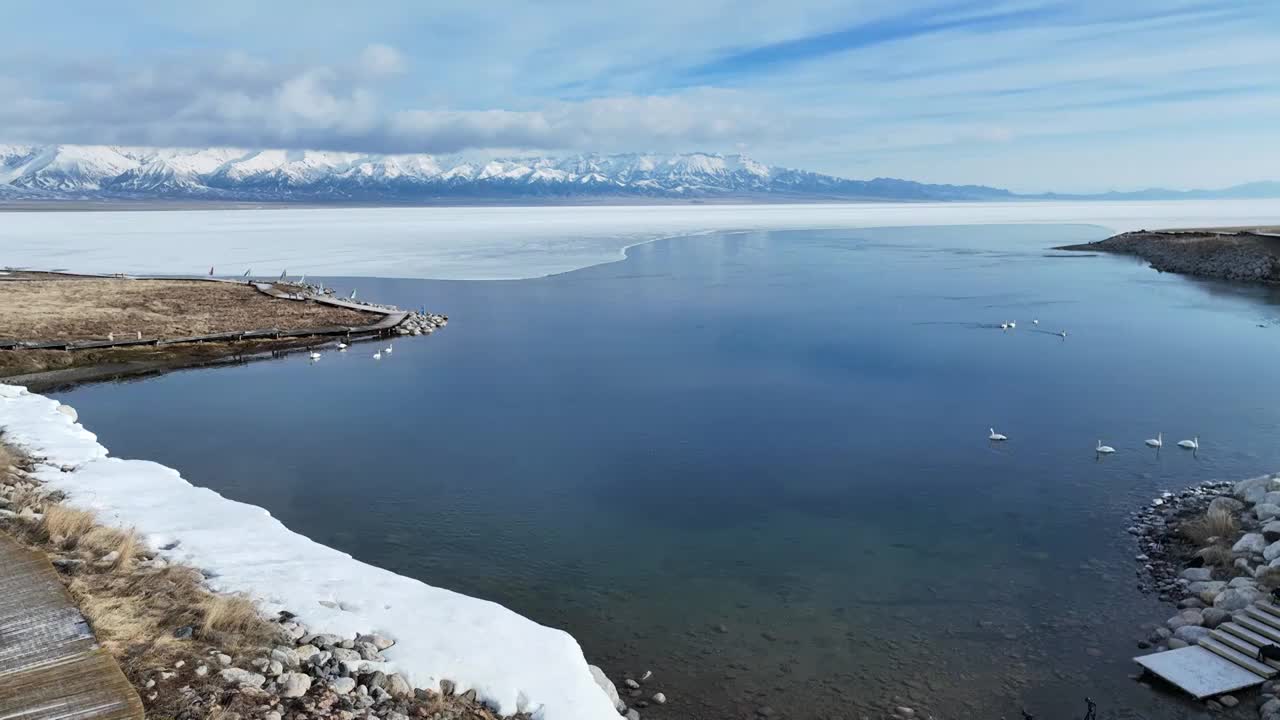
1032,95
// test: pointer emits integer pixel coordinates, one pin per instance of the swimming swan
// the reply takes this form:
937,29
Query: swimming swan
1104,449
995,436
1157,441
315,356
1190,444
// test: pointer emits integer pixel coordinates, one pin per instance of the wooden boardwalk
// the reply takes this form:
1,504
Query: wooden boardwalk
1226,660
51,668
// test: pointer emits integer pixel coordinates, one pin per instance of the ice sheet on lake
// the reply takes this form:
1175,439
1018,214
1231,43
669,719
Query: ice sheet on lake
489,243
511,661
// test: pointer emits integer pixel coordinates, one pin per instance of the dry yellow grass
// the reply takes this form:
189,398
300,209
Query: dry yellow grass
67,523
235,614
1270,579
1219,524
89,309
1219,555
7,459
103,540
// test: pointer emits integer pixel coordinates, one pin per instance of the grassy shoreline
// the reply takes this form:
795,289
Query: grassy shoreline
107,328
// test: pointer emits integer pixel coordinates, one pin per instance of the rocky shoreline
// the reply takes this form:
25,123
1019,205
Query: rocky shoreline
1213,550
1227,255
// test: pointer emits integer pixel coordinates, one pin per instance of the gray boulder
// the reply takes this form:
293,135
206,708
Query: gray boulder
1261,485
1272,497
342,685
1266,511
242,678
325,641
1213,617
285,656
1184,618
1251,543
380,642
1234,599
398,687
346,656
1242,582
1191,634
368,651
294,684
1271,531
1199,574
1207,590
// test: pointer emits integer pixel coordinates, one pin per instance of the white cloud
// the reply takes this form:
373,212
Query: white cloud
382,60
239,100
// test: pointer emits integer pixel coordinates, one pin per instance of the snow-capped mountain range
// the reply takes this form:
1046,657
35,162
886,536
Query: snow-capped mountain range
99,171
103,172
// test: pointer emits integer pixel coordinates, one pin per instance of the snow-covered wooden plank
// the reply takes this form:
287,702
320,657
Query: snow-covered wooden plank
1199,671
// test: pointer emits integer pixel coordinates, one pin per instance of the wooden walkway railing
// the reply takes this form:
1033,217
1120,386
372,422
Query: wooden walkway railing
51,668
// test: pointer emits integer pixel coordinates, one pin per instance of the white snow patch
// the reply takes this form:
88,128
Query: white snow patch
492,243
510,661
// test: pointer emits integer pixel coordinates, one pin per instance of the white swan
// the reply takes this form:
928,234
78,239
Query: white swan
1063,333
1157,441
1035,322
315,356
388,350
342,346
995,436
377,355
1004,326
1012,324
1190,444
1104,449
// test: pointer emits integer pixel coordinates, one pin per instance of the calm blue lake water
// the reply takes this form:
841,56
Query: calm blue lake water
783,434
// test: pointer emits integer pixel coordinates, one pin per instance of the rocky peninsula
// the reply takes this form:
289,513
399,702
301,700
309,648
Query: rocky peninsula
1251,254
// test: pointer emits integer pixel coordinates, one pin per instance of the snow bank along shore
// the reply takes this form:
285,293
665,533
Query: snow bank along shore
513,663
504,243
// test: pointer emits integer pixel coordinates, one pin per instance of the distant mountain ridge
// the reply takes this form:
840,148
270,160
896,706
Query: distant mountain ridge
94,172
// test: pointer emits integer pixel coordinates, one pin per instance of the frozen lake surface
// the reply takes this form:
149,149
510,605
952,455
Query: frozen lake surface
494,243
